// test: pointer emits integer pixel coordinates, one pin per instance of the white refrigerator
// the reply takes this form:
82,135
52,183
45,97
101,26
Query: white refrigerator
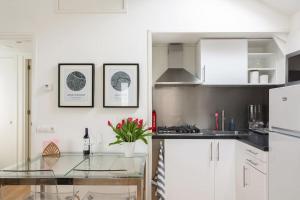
284,141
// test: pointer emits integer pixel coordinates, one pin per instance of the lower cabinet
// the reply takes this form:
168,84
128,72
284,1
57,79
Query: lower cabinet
200,169
225,170
251,177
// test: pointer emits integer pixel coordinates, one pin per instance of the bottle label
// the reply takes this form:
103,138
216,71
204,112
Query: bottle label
86,145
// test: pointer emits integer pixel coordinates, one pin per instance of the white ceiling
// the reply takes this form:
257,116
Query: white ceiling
287,7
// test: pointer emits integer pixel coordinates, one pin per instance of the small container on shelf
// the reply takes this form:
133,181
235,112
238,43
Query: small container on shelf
264,79
254,77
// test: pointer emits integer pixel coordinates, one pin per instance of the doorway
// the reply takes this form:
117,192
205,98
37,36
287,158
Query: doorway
15,101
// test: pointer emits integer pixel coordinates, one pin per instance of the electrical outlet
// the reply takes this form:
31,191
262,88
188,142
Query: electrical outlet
45,129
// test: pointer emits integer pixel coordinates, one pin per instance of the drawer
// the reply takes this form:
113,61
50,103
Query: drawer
254,152
256,163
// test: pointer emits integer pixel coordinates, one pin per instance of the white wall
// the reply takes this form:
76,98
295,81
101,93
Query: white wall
114,38
294,36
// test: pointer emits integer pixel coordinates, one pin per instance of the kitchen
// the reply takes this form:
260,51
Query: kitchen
216,132
230,65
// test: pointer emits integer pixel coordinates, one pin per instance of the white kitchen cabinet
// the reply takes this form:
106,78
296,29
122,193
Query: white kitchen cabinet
256,184
224,61
200,169
225,170
285,102
251,173
189,169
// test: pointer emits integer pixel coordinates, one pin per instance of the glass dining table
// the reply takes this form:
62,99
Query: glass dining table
77,169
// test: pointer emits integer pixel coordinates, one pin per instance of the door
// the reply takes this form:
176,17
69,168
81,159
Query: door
8,110
224,169
284,108
189,169
224,61
284,165
256,184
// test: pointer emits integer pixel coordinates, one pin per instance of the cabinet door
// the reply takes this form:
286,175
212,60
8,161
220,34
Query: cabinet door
224,61
224,170
285,108
256,184
240,171
189,169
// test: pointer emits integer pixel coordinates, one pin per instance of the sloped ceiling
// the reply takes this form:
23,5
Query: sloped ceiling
288,7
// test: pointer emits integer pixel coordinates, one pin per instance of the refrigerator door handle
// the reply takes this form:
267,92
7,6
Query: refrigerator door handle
287,132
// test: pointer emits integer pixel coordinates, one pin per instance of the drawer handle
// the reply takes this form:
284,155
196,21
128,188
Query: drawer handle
211,156
252,162
244,177
252,152
284,98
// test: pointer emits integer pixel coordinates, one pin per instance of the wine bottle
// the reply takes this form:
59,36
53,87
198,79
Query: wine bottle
86,143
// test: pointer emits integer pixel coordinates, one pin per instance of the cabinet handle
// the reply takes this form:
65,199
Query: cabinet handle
218,147
203,70
284,98
252,152
244,177
252,162
211,156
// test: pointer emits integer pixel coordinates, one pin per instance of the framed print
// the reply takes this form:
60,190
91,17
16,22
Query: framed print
121,85
76,84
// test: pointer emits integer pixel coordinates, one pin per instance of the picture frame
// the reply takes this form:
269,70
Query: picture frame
121,85
76,85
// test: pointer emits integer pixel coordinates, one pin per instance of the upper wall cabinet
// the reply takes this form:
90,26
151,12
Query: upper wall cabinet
92,6
223,61
240,62
265,59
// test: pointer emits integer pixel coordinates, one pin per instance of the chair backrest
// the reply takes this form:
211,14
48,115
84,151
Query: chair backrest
111,196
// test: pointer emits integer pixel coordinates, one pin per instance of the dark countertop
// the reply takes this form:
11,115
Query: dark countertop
253,138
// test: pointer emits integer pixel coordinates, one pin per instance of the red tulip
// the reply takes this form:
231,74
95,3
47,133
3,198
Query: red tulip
136,120
119,126
141,122
129,119
123,122
139,126
109,123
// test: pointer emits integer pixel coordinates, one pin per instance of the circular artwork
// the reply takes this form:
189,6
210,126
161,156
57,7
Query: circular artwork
76,81
118,78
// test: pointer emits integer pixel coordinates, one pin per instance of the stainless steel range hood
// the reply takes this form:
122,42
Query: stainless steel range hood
176,74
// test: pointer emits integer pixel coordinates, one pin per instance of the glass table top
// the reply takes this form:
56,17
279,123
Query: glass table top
76,165
110,166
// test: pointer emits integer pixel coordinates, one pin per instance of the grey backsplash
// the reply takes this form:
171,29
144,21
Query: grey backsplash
179,105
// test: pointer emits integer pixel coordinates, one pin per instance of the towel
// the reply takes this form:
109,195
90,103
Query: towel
160,175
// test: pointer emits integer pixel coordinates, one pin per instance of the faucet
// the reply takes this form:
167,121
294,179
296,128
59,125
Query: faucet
223,120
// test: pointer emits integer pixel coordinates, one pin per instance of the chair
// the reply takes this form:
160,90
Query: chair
92,192
106,196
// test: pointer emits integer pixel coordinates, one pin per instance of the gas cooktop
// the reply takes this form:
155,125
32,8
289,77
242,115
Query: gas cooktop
184,129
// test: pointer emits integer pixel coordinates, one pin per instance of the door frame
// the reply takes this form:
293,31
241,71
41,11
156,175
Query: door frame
24,118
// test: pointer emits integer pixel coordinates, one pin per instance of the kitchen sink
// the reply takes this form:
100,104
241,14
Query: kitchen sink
221,133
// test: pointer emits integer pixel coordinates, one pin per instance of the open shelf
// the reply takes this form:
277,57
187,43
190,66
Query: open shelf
260,54
262,58
261,69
